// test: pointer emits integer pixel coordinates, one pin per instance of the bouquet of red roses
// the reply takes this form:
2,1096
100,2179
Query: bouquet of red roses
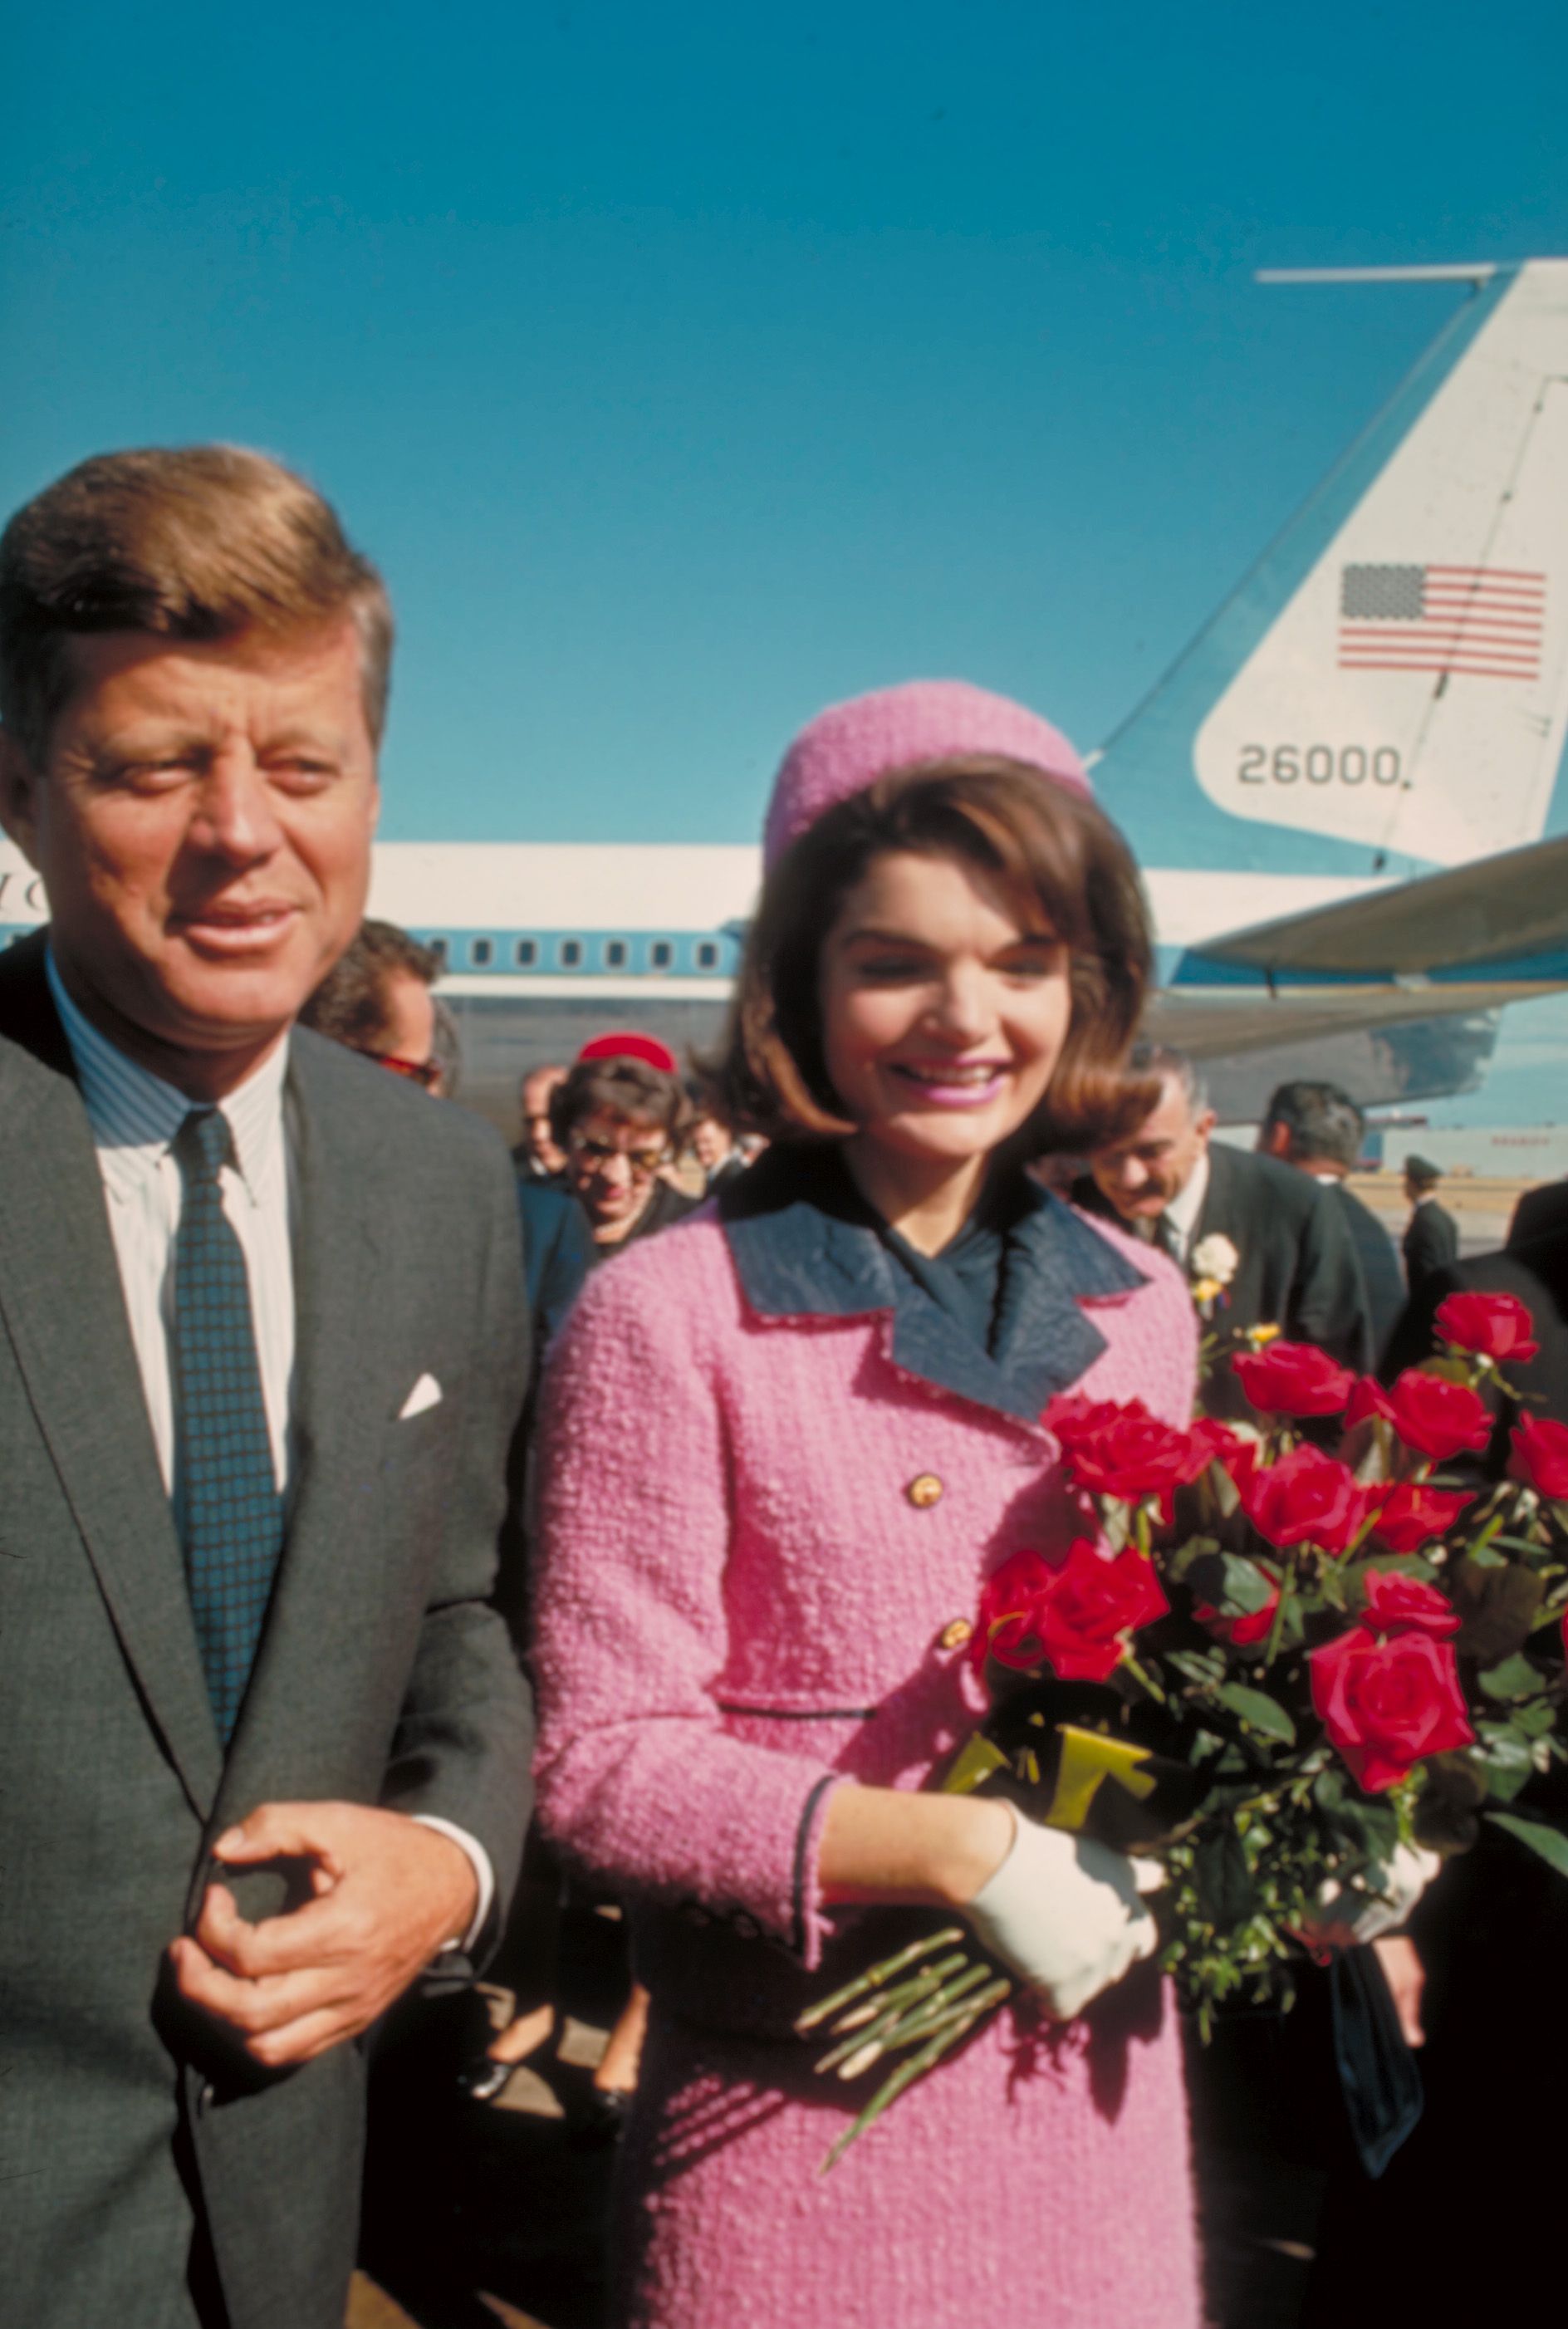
1270,1666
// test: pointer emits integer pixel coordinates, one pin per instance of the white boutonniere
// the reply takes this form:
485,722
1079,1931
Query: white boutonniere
1213,1264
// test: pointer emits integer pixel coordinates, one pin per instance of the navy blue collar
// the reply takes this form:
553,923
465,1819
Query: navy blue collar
805,1243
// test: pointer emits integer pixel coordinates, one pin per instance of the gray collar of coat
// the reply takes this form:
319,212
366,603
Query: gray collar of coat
804,1245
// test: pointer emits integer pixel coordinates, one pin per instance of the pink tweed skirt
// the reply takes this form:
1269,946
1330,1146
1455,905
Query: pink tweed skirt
1039,2180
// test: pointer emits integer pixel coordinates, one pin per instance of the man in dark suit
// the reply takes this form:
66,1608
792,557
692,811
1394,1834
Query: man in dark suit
263,1741
1318,1128
1539,1210
1431,1240
1492,1938
1291,1263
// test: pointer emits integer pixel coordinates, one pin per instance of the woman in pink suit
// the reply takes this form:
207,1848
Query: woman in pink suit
786,1443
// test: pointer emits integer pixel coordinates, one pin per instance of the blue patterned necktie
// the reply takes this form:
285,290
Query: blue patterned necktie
231,1512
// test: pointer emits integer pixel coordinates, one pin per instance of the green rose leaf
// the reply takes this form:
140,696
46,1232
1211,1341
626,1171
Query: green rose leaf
1516,1678
1498,1609
1197,1549
1256,1708
1223,1881
1234,1587
1366,1825
1504,1757
1535,1719
1549,1842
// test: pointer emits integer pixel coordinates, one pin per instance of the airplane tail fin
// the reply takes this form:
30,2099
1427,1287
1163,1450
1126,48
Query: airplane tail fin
1387,690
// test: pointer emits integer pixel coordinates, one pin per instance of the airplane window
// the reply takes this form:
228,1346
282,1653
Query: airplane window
440,950
570,953
661,954
525,954
479,951
707,956
615,955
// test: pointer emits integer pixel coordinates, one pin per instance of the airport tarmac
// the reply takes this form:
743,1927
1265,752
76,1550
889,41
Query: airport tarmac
1482,1205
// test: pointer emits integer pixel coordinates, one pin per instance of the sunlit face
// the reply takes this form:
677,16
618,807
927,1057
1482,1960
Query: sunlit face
612,1161
1141,1175
943,1015
537,1137
710,1142
409,1020
202,822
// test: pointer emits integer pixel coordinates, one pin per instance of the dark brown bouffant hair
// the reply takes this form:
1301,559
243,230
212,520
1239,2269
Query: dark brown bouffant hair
1055,856
350,1002
197,541
628,1088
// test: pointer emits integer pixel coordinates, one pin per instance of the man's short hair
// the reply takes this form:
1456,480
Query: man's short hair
195,541
1149,1061
1321,1121
350,1004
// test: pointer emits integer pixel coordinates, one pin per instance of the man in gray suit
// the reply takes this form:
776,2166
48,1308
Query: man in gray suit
263,1744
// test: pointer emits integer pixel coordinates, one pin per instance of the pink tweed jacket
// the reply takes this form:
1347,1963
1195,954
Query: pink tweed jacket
756,1530
766,1497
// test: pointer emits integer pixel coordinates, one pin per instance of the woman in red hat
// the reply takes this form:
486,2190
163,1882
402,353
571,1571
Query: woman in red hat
618,1117
783,1448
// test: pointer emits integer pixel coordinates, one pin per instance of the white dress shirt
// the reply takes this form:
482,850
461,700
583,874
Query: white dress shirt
135,1117
1181,1215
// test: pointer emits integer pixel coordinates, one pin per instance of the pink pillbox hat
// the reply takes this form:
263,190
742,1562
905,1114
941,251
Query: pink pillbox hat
850,745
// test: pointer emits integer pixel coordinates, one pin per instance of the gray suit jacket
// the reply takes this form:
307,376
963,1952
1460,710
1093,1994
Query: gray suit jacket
127,2136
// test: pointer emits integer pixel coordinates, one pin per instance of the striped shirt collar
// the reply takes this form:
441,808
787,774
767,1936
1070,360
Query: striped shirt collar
135,1114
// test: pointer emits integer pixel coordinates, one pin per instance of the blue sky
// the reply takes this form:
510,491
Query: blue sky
686,370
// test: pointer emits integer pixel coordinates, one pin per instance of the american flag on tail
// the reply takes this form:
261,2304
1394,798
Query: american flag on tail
1485,621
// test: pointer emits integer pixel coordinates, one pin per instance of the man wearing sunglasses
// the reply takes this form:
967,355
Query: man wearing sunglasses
377,1000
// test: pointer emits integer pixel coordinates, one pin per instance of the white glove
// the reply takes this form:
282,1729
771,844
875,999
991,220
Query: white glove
1065,1913
1374,1902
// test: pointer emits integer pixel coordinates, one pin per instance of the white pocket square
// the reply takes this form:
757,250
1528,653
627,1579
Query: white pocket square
426,1393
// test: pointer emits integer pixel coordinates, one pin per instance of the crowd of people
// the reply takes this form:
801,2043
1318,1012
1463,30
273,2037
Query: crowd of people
335,1439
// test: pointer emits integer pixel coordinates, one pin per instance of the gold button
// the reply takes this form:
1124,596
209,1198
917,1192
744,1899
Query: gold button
954,1637
923,1490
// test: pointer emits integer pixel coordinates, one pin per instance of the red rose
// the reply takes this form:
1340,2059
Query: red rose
1437,1419
1386,1704
1242,1631
1367,1401
1217,1443
1494,1325
1305,1498
1399,1605
1293,1379
1411,1514
1005,1628
1072,1615
1127,1452
1540,1455
1069,1415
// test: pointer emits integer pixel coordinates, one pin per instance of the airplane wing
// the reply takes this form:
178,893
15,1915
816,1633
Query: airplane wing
1464,940
1501,909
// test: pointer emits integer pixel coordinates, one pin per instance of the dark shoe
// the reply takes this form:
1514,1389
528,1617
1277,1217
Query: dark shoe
603,2122
483,2078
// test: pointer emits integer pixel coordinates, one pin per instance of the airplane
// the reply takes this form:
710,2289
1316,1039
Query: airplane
1347,793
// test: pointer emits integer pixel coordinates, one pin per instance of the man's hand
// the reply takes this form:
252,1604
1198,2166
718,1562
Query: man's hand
389,1896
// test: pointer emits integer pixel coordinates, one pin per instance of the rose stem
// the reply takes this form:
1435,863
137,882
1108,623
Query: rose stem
915,2023
920,1986
940,2042
878,1974
888,2013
